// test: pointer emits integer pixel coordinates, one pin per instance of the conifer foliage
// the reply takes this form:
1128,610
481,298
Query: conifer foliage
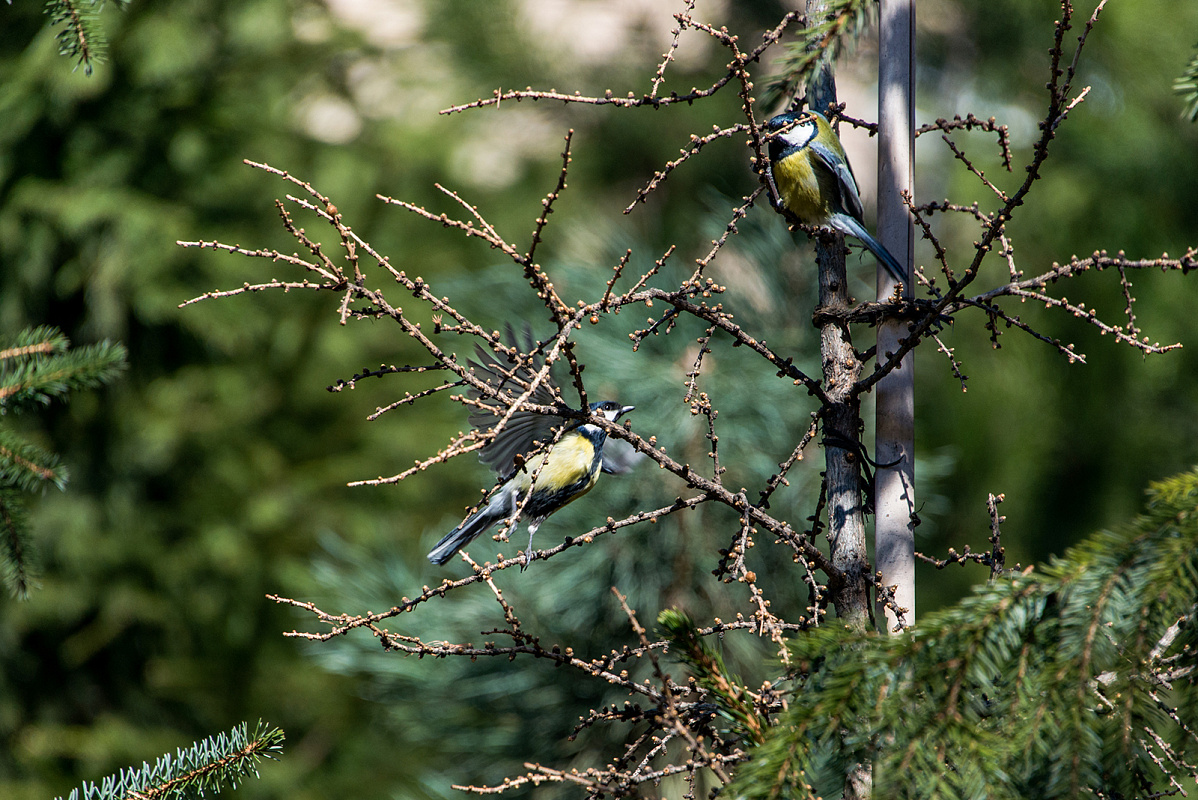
1187,87
36,367
80,36
195,771
1077,680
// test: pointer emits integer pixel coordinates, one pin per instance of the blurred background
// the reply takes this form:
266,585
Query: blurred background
214,471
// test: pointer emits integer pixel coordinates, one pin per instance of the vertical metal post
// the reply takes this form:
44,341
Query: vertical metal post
894,499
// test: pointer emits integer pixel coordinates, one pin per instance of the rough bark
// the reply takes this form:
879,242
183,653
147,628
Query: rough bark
850,594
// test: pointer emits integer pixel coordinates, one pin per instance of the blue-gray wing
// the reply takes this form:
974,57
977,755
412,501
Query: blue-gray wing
513,376
850,196
619,457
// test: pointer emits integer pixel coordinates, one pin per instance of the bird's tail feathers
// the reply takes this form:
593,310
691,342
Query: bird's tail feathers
846,224
465,533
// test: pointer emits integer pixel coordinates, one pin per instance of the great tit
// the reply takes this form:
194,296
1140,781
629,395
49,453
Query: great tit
815,183
568,471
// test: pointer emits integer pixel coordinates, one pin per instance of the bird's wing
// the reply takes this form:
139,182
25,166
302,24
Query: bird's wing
850,196
525,428
619,457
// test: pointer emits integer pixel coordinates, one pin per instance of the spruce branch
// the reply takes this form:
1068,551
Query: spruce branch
1046,683
708,667
81,37
37,366
200,770
818,44
1187,87
27,467
14,541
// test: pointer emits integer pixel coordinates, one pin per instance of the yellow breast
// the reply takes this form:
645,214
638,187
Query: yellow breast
569,462
801,187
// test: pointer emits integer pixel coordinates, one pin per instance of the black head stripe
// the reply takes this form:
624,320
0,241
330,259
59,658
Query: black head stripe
790,133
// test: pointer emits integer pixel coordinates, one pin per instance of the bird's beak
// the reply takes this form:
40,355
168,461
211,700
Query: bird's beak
625,410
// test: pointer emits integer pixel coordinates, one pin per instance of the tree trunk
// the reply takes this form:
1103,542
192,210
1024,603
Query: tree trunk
842,435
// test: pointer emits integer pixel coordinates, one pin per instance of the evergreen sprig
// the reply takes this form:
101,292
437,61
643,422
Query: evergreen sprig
819,43
14,541
1187,86
207,766
81,36
37,366
1078,680
707,665
27,467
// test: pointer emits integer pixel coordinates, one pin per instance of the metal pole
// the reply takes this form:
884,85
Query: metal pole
894,498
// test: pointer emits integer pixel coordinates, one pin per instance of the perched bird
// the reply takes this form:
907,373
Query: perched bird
568,471
814,182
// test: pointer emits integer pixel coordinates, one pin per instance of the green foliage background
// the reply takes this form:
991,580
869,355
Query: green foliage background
214,472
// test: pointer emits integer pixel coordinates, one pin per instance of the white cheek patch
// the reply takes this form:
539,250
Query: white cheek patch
799,136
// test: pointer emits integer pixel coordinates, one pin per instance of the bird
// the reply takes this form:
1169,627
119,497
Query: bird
566,472
814,182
